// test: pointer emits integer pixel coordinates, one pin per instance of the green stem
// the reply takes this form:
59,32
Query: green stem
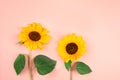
71,73
29,66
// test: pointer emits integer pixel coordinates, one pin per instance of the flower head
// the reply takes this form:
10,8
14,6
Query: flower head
71,47
34,36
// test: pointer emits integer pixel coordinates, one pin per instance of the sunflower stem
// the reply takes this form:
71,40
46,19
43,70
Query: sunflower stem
30,65
71,73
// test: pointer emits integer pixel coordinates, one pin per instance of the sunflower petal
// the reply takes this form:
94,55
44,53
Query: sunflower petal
40,46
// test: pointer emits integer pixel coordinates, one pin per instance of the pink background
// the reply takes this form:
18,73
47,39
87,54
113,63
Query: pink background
98,21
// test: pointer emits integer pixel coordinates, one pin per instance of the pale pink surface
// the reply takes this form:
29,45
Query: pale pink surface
97,21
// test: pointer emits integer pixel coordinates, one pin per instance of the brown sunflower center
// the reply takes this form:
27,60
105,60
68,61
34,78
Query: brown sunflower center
71,48
34,36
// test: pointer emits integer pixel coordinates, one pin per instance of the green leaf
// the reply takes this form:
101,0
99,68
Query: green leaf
68,64
20,42
19,63
82,68
44,64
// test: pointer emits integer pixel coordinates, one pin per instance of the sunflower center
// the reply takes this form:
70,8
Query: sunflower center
71,48
34,36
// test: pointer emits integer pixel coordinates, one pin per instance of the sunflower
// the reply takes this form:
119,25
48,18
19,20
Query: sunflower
34,36
71,47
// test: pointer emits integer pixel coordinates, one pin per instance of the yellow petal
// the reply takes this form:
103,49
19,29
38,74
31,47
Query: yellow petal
45,39
44,31
40,46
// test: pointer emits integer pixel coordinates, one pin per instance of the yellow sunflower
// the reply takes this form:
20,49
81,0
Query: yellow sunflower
34,36
71,47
